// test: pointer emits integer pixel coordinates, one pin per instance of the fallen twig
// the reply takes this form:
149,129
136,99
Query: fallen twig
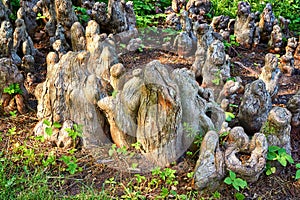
253,73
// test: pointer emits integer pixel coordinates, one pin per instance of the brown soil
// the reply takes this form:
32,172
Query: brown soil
281,185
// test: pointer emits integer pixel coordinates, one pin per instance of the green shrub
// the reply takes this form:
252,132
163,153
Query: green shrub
145,11
15,5
288,9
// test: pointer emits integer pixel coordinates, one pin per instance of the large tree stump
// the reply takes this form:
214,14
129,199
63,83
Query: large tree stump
70,92
255,106
151,108
75,84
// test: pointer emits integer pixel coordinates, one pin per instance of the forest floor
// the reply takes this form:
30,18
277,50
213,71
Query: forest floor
280,185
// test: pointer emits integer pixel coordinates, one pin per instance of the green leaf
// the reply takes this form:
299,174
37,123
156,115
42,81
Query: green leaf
72,167
240,182
273,148
49,131
298,165
297,174
56,125
233,105
228,181
239,196
172,192
269,171
40,138
13,113
272,156
236,186
156,171
111,152
72,151
224,134
164,192
232,175
66,159
282,161
232,37
113,146
281,151
216,81
46,122
229,116
273,169
231,78
119,150
289,159
190,174
134,165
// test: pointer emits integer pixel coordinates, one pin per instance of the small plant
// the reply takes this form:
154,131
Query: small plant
232,42
40,16
122,150
13,89
190,174
216,195
130,192
167,39
71,163
110,181
198,140
270,169
51,160
137,145
139,178
81,14
279,154
276,153
224,135
13,113
114,150
168,175
15,5
193,133
12,16
237,183
29,154
40,138
75,131
141,48
49,128
134,165
12,131
123,46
